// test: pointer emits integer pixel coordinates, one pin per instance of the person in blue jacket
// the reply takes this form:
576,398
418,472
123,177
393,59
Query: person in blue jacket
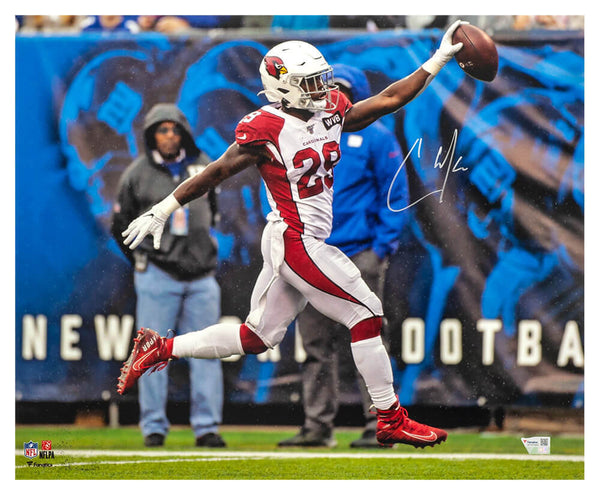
367,231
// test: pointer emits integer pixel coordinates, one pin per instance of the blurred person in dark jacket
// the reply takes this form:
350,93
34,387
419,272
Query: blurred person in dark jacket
367,231
175,285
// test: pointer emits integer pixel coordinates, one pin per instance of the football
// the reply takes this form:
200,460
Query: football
478,57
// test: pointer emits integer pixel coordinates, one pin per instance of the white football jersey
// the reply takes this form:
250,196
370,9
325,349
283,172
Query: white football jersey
299,176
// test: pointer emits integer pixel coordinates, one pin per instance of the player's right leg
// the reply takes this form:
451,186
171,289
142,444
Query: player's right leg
274,305
150,352
265,327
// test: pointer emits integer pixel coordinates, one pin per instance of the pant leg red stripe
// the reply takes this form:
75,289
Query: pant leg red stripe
302,264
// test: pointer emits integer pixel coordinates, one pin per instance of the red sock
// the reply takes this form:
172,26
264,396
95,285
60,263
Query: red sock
251,343
366,329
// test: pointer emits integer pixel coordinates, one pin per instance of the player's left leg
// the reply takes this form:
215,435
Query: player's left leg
333,285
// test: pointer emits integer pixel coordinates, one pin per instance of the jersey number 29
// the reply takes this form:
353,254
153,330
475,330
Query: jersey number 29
331,154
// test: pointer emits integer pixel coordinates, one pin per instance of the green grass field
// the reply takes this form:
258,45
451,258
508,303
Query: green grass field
251,454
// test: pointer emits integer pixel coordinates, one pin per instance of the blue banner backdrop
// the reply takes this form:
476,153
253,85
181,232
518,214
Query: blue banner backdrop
484,298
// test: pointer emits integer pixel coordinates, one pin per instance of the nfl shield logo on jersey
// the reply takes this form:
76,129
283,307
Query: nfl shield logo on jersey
30,449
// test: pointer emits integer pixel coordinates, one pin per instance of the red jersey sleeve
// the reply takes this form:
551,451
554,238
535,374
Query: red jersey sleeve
343,103
258,128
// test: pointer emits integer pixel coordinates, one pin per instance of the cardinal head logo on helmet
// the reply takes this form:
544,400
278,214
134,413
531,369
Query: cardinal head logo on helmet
275,67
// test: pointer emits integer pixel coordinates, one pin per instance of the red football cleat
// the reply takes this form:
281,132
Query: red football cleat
394,426
150,352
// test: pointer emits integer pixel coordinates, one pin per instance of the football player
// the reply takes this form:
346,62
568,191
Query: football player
294,143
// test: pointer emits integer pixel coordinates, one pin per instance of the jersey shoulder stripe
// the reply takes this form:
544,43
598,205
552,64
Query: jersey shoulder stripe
258,128
343,103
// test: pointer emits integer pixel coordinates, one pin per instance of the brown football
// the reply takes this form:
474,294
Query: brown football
478,57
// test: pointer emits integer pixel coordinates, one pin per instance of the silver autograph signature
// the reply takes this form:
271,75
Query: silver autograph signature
447,160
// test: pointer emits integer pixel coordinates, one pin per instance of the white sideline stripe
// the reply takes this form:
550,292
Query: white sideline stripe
176,456
143,461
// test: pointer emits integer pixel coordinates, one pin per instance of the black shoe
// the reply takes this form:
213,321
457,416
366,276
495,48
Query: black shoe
210,440
368,441
154,440
308,438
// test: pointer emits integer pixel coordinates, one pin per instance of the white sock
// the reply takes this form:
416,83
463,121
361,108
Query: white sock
373,363
217,341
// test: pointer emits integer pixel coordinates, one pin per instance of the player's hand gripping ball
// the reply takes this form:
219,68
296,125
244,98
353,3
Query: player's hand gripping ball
478,56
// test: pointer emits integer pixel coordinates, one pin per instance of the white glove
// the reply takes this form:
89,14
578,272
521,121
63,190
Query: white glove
445,52
152,222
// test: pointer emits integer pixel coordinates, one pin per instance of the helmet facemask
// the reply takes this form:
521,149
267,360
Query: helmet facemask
312,92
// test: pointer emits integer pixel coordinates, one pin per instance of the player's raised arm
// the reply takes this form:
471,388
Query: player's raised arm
234,160
399,93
